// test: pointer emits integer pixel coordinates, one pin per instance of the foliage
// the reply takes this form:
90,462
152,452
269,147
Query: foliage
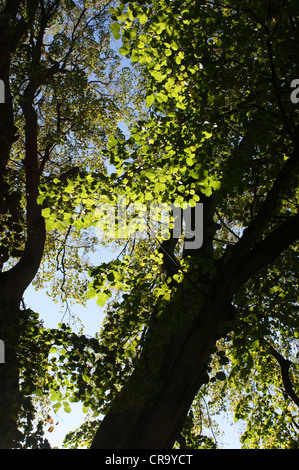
56,367
221,122
220,129
81,96
66,93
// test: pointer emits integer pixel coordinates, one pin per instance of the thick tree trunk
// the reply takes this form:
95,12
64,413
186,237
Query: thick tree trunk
15,281
9,375
152,407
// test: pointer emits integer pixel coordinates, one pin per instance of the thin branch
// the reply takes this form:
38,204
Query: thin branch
210,423
277,93
73,38
226,226
61,268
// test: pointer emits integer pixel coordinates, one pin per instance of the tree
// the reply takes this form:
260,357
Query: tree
61,102
183,321
223,131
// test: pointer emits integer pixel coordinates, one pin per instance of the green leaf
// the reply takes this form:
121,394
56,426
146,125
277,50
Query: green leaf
142,18
149,100
46,213
124,50
86,378
115,28
207,135
54,396
112,141
57,406
221,376
66,407
102,299
41,198
110,277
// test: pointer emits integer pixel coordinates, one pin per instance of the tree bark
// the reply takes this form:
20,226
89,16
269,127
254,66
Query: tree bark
150,410
286,380
152,416
9,374
14,281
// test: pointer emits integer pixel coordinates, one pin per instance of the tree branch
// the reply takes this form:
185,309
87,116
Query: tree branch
226,226
276,89
23,25
265,213
15,281
267,250
284,368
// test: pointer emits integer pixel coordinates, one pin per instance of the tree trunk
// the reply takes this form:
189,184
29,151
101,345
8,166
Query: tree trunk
9,375
151,409
15,281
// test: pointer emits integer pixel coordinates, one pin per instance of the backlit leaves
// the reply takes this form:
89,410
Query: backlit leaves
212,128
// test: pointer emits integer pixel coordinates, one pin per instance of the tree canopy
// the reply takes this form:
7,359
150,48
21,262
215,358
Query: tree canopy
210,104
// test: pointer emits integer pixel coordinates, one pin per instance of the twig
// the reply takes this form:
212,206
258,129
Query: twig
226,226
210,423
